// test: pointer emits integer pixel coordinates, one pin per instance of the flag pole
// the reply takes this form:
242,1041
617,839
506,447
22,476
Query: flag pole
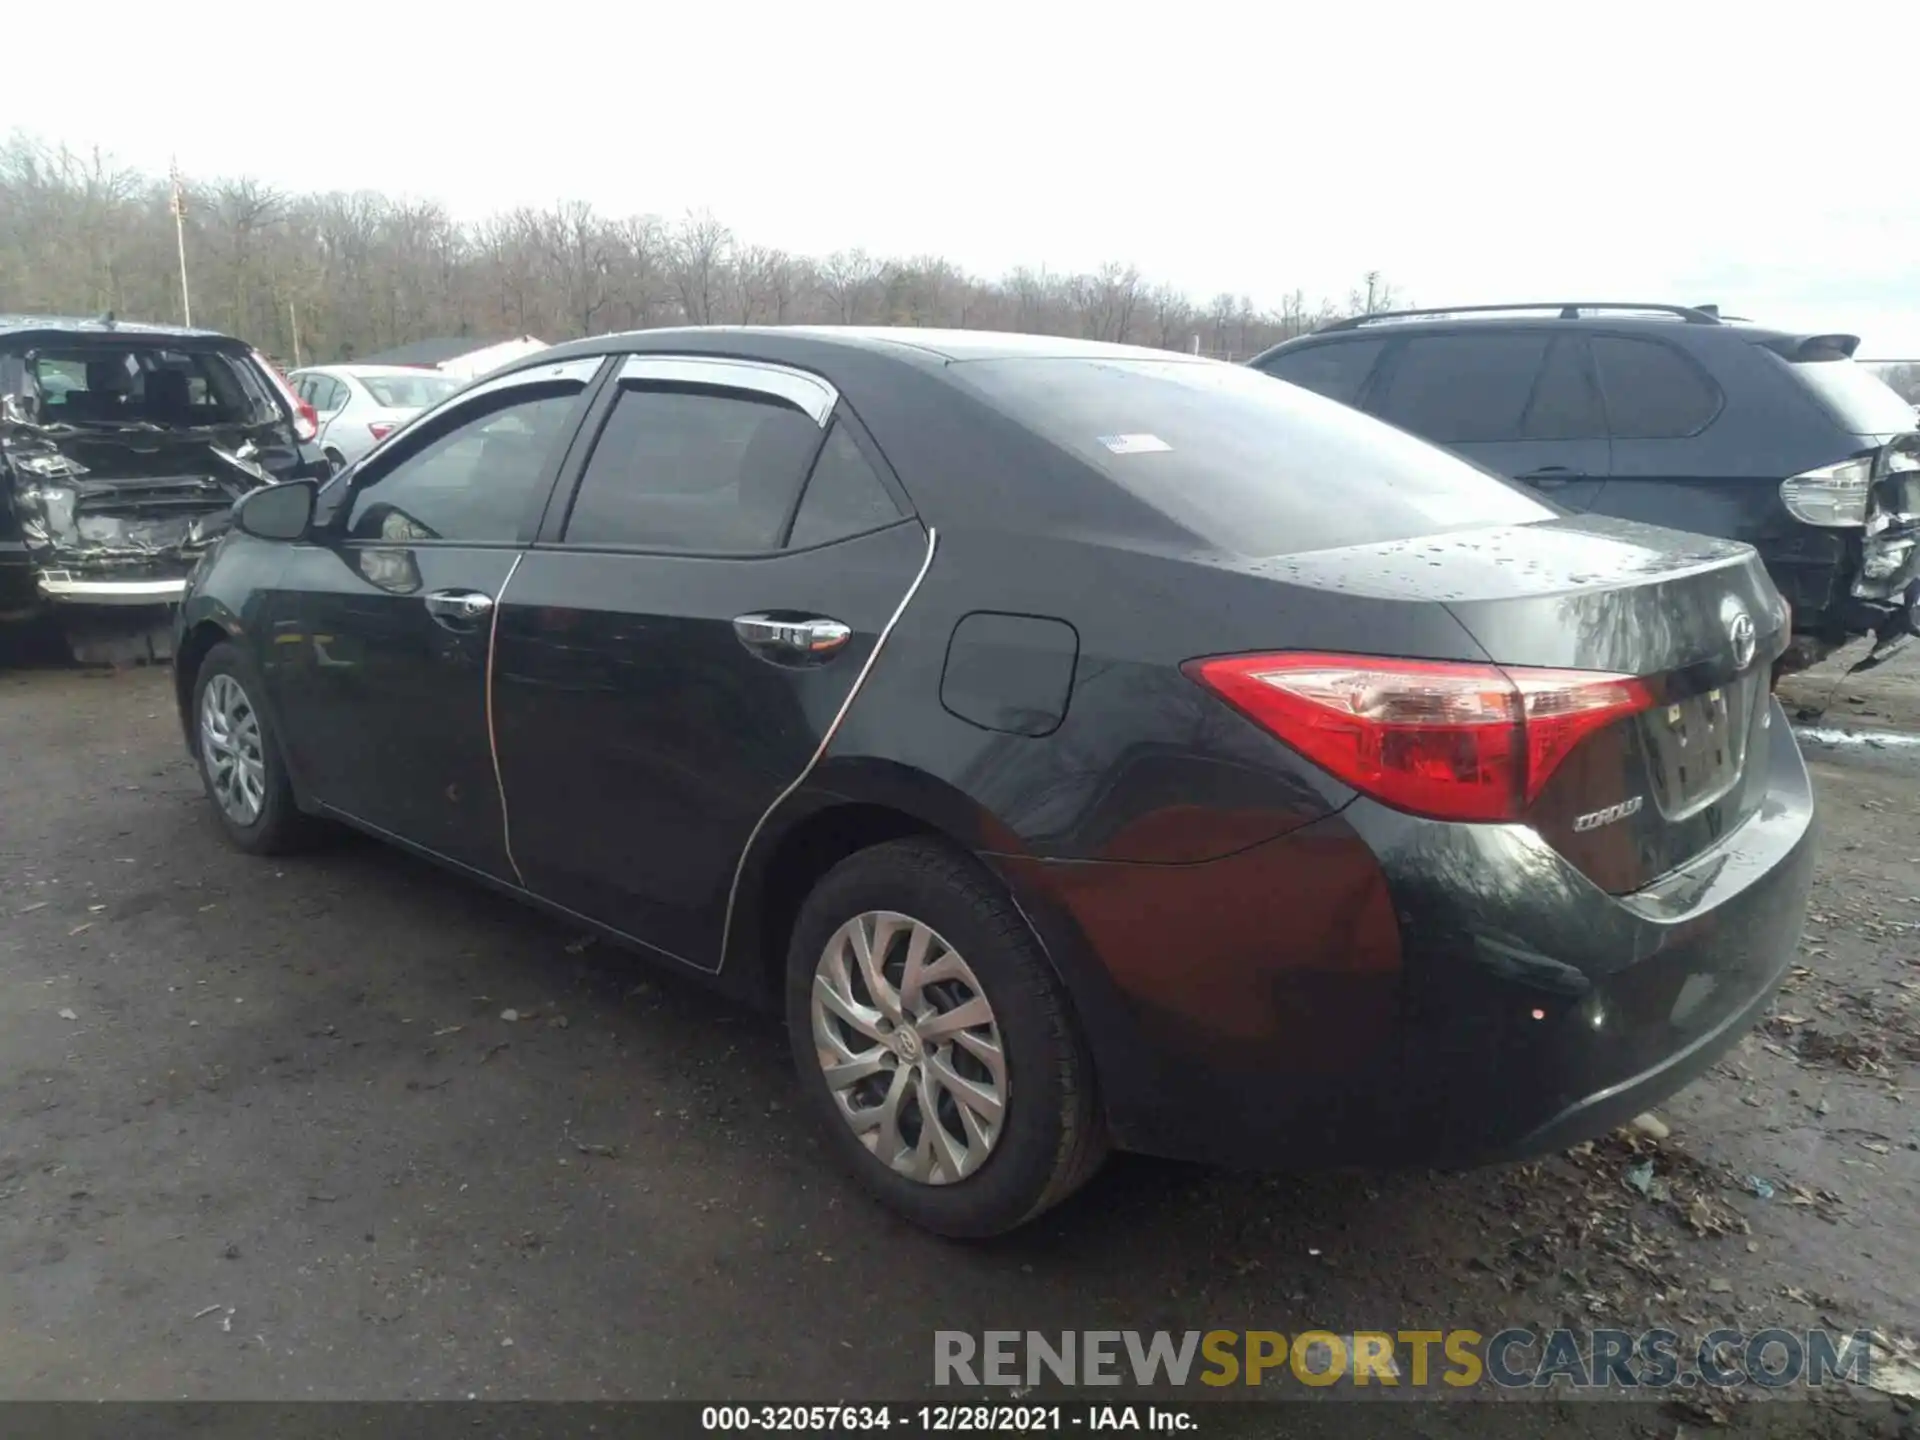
179,207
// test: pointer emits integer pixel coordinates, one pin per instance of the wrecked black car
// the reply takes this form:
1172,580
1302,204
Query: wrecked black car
122,449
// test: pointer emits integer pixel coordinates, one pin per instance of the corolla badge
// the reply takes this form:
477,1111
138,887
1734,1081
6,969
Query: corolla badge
1595,819
1740,631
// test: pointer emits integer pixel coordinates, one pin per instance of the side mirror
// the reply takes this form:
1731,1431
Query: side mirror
19,409
277,512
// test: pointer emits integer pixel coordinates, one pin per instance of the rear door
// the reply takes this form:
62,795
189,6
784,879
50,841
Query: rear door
1520,401
675,650
379,633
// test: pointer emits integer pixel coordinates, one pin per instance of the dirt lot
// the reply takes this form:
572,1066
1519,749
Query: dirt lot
265,1133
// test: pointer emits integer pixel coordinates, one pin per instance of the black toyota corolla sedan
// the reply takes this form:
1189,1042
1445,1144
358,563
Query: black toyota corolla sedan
1086,746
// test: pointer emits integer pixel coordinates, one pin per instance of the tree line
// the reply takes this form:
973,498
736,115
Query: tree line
311,278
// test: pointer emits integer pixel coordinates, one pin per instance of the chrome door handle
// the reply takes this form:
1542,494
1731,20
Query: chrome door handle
810,638
459,609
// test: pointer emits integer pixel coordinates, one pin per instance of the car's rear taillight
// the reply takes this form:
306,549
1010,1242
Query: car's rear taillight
380,429
1830,495
306,420
1451,741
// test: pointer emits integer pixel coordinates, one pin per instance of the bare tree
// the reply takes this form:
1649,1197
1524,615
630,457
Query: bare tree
846,277
577,248
638,284
332,276
1373,296
698,257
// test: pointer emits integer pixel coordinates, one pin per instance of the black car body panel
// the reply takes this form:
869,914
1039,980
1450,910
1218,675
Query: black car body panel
622,696
1410,1018
1736,410
1265,962
111,505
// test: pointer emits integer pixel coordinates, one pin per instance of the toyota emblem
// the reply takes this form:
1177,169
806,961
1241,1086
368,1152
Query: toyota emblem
1740,631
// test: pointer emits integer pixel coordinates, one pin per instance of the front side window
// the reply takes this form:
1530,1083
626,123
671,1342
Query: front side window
475,483
682,468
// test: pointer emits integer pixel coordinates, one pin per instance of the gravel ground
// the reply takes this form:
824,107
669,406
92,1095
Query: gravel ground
265,1133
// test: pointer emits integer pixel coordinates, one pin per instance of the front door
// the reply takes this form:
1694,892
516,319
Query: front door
381,629
1520,401
671,661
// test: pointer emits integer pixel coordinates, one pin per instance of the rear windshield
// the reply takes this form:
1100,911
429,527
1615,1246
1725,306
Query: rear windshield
1859,399
1249,465
409,392
144,385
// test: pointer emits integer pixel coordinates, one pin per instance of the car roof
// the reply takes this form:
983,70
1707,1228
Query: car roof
102,327
901,341
962,460
1623,321
347,367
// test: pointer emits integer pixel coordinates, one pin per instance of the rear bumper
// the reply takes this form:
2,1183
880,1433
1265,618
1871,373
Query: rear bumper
1843,583
18,594
1618,1103
1380,990
63,587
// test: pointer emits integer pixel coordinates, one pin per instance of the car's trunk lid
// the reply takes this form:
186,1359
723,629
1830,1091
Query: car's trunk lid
1694,617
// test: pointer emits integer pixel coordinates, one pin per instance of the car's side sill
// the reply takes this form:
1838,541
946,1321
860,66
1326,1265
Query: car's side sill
504,886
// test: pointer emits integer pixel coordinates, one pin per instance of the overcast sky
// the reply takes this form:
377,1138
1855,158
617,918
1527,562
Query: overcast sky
1690,151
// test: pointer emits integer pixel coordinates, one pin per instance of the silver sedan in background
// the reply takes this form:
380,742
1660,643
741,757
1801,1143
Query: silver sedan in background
359,405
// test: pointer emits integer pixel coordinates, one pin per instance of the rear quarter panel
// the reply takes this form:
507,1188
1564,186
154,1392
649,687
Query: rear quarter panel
1145,766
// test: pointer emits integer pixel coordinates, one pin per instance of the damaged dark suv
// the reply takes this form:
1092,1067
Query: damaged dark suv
1671,415
122,449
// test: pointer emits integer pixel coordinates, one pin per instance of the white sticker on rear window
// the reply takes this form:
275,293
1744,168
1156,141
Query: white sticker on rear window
1134,444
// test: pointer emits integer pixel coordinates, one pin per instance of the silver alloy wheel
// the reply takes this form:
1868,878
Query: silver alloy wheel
230,749
909,1046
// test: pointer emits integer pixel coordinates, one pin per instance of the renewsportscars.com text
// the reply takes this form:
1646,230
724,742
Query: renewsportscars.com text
1458,1359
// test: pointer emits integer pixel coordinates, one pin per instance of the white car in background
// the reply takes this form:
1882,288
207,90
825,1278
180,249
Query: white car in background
359,405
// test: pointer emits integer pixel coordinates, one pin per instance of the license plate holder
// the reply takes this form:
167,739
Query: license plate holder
1700,747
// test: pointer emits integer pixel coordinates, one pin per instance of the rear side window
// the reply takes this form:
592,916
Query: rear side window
1456,389
686,469
409,392
1248,466
1652,391
1336,369
844,495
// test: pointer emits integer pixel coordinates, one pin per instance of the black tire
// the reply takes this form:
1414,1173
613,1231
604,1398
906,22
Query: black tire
280,827
1051,1138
